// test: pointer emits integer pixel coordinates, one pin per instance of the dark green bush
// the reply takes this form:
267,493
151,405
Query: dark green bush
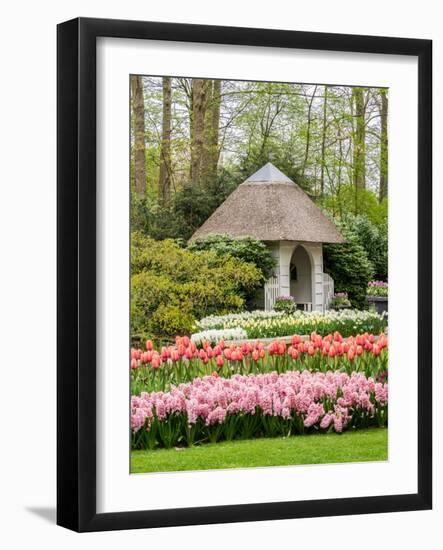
349,266
374,239
188,208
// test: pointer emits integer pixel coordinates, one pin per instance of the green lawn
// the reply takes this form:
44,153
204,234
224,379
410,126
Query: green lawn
358,446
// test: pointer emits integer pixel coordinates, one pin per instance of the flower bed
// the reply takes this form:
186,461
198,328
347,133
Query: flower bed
153,370
377,288
235,319
263,405
215,335
275,324
339,301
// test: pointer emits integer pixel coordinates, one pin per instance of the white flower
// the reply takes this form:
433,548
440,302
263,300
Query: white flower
214,336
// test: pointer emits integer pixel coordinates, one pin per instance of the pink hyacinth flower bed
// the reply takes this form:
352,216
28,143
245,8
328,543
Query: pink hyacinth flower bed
257,405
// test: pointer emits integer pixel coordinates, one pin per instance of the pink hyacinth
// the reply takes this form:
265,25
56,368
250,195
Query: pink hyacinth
293,394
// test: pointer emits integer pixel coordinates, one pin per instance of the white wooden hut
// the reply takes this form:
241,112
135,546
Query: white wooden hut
272,208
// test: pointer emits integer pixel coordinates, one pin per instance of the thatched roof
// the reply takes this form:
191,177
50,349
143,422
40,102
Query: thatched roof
270,207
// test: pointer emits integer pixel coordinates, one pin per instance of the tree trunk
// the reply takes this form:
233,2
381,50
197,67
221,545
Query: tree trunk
359,160
323,144
138,114
200,90
383,188
308,132
164,184
214,130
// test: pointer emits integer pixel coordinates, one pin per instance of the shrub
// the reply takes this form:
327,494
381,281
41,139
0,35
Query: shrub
349,266
246,248
374,239
172,286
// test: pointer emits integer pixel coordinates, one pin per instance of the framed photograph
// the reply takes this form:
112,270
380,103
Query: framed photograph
244,269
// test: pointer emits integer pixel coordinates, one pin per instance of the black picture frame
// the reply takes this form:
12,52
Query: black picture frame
76,279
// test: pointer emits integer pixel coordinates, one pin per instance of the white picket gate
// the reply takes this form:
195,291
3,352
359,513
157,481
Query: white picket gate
328,290
272,290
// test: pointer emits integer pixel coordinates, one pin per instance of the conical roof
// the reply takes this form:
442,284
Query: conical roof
270,207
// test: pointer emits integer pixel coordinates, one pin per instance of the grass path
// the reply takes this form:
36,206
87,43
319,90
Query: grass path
358,446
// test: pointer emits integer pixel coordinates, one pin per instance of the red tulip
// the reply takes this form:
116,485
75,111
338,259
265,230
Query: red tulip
219,361
359,350
133,363
156,362
185,341
332,351
281,348
217,350
256,355
351,354
149,345
376,350
311,350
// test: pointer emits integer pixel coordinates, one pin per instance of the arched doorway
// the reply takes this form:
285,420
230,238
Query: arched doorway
301,278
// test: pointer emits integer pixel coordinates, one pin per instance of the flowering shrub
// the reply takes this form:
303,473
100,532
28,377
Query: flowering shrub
158,370
264,405
285,304
377,288
215,335
347,322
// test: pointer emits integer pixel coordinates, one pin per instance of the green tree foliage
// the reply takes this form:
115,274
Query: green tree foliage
351,200
189,207
247,249
349,266
172,286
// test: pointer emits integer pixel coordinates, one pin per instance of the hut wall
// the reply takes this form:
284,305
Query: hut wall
282,252
315,250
